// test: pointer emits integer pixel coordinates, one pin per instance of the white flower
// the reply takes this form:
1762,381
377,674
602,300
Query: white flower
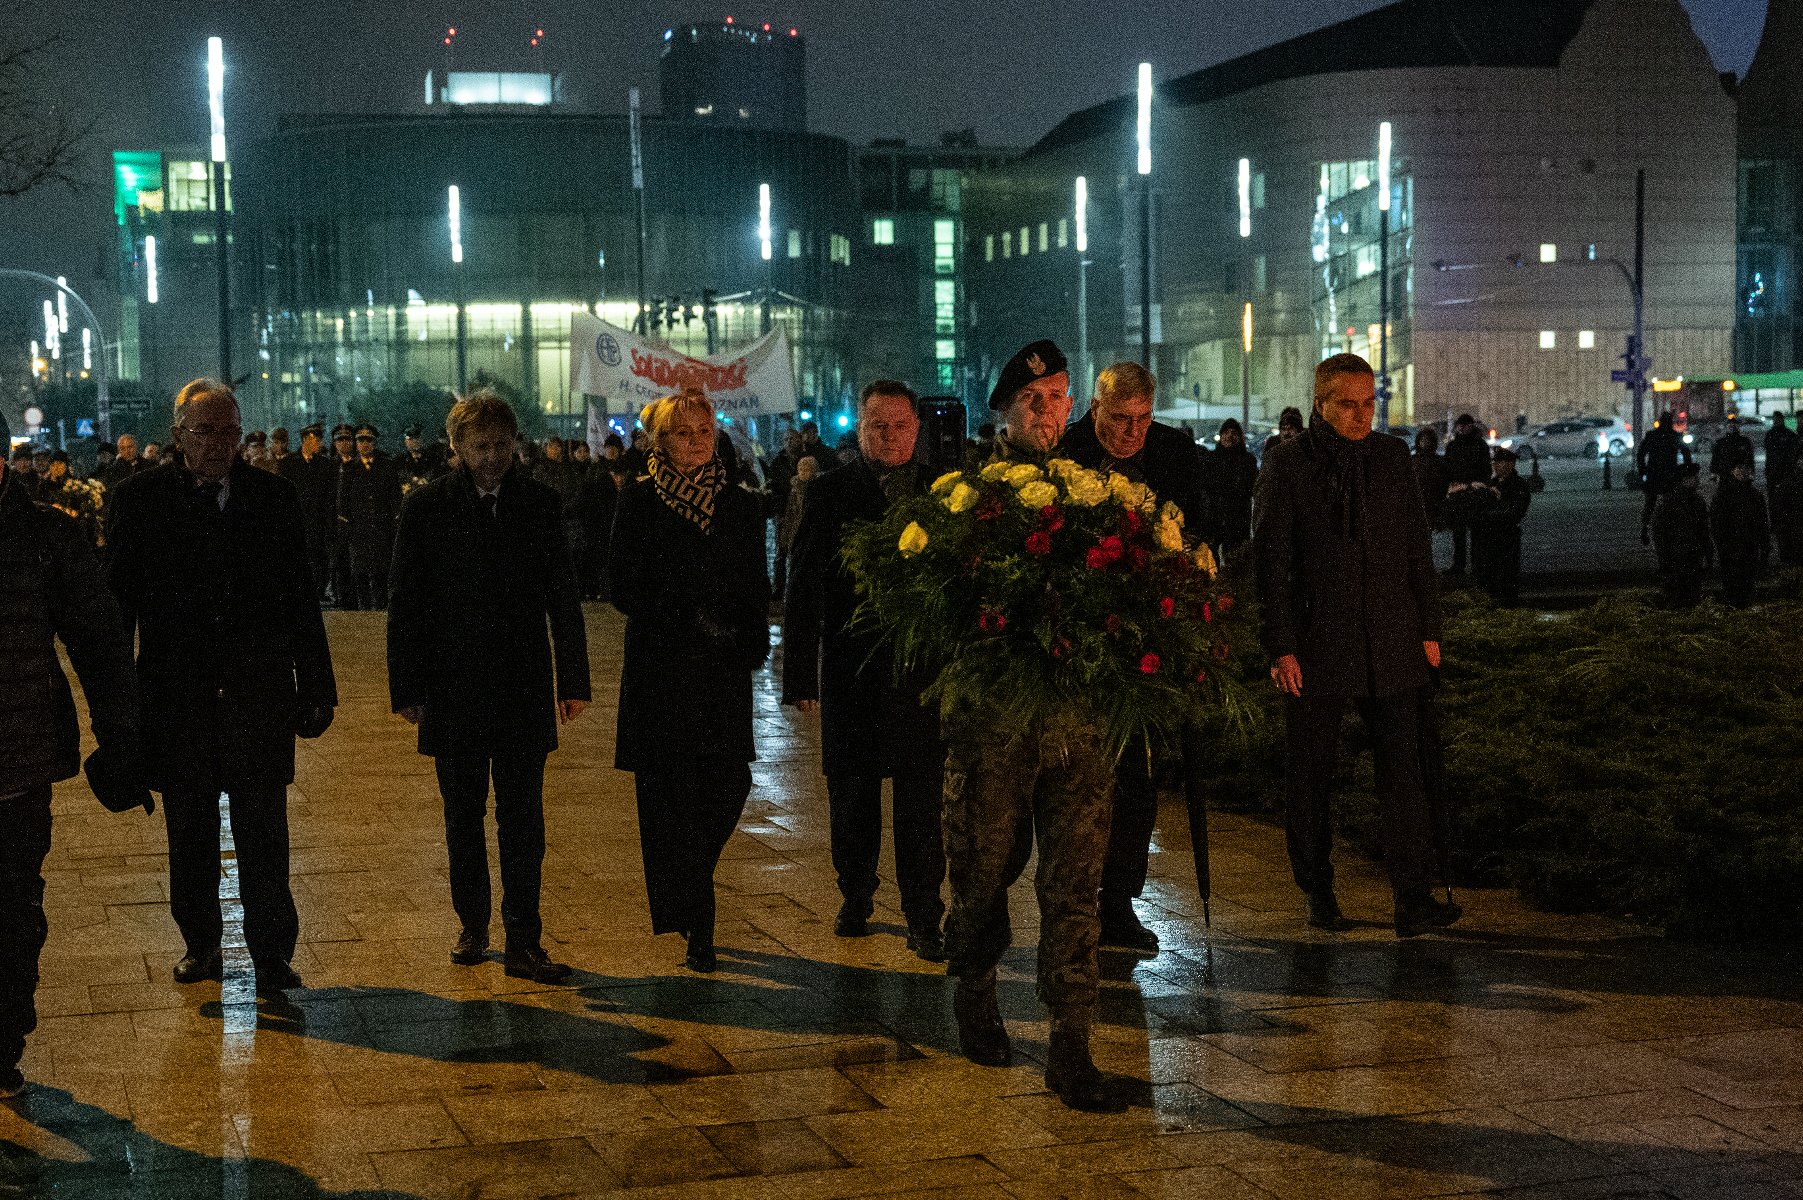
1038,494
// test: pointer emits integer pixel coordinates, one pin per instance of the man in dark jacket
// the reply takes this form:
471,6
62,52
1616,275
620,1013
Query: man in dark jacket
50,588
1742,533
480,567
871,728
208,561
1119,434
1496,532
1467,467
125,464
369,503
1657,460
1229,477
1351,615
314,479
1680,531
1730,450
1780,453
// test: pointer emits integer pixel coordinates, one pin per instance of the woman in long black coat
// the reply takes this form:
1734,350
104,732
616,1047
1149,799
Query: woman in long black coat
687,568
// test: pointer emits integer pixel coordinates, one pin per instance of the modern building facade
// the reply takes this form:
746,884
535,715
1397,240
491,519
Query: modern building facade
1517,130
743,76
911,299
1768,330
351,284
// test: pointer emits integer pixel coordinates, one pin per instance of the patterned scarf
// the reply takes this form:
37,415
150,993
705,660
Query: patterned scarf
691,497
1342,470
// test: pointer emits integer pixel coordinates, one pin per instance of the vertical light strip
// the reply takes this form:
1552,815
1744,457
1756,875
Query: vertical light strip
1144,127
62,305
454,204
216,94
1082,214
1246,328
150,269
764,221
1383,167
1245,197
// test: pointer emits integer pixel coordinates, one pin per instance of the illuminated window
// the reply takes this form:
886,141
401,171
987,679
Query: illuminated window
794,243
1045,237
1064,232
945,348
1026,241
1549,252
1007,244
1260,274
945,306
1549,339
882,231
1258,190
841,249
989,247
1586,339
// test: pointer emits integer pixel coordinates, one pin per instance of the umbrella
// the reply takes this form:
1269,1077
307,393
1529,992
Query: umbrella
1195,800
1433,776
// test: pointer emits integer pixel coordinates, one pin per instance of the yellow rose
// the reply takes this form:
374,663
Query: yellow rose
1169,534
944,483
1119,486
1085,489
962,498
1170,512
1021,474
1205,559
913,540
1038,494
996,469
1062,468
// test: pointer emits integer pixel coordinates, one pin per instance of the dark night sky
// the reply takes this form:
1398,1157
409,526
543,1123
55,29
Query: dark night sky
875,68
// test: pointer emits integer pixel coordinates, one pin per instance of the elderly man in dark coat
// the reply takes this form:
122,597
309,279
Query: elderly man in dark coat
871,728
1119,434
1351,616
369,503
208,561
480,567
50,589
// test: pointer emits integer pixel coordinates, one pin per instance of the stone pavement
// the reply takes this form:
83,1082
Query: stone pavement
1523,1055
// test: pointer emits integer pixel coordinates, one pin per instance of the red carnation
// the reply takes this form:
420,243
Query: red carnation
1111,546
1039,542
1096,558
1167,608
1221,652
1131,522
1137,558
1114,623
1226,604
1149,665
1208,612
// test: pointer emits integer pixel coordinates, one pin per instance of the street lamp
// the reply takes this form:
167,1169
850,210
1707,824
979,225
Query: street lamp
1245,197
103,412
764,252
454,219
1383,270
1143,130
221,256
1246,368
150,268
1082,201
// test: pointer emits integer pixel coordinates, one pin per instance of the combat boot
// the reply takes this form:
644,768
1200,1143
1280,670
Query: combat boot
982,1037
1417,912
1072,1074
1324,912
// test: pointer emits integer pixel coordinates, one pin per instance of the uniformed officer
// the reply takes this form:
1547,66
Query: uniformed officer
1007,789
369,504
1496,531
314,477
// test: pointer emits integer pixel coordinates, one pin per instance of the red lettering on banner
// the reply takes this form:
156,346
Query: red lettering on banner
675,374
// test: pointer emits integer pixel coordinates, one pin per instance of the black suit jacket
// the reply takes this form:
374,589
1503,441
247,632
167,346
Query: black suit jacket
868,724
230,641
469,601
697,625
1169,463
315,482
1354,610
369,501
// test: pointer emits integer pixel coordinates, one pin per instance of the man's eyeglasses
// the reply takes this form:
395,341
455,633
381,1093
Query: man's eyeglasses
212,433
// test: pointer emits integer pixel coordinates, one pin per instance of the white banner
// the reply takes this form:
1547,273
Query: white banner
627,371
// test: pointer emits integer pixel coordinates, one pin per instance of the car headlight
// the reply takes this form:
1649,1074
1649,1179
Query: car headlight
1689,439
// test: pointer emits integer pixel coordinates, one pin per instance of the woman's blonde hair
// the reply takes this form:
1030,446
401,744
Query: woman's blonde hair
659,415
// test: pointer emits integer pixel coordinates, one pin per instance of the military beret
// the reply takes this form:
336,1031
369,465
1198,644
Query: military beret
1032,363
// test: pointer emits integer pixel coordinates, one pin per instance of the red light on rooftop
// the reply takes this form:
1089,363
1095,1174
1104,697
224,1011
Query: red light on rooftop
766,27
447,41
452,31
535,41
729,20
792,33
538,33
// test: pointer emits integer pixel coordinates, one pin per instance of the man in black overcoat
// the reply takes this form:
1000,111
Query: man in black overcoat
480,567
314,477
369,504
1351,616
51,589
1467,467
208,561
871,728
1657,460
1119,434
1229,477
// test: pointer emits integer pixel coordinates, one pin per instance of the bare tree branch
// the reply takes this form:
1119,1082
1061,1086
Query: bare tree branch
39,143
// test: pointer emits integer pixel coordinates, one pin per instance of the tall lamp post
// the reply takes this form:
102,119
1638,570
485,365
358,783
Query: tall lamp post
454,218
1083,375
221,256
764,252
1246,368
1383,270
1143,131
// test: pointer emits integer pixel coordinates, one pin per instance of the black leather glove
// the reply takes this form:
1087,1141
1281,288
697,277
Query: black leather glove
313,720
117,781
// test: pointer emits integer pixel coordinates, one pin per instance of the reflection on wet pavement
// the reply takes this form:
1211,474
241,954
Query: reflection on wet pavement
1526,1055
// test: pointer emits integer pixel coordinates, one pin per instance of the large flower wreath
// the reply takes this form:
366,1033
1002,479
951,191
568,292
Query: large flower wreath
1025,591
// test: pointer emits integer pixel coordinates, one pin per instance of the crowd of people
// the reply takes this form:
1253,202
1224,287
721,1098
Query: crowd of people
220,558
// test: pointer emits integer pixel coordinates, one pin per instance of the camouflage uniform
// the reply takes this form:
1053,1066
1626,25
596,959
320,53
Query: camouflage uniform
1056,784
